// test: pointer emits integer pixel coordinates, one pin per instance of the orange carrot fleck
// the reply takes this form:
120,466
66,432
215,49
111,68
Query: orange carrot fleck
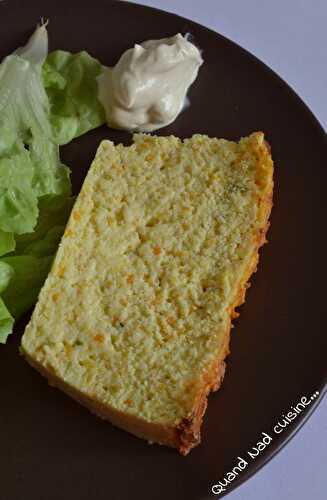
157,250
130,279
99,338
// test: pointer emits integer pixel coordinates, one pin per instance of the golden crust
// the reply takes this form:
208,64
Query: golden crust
186,434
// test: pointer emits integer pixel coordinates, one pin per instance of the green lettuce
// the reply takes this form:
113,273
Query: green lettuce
6,322
71,85
6,319
29,273
45,101
44,240
7,243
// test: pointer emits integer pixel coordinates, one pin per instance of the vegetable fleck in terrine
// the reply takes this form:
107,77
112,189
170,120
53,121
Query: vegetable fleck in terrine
134,318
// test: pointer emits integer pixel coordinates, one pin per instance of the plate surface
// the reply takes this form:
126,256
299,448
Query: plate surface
51,447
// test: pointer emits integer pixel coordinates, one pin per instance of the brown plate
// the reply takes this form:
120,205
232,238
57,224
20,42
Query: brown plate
50,447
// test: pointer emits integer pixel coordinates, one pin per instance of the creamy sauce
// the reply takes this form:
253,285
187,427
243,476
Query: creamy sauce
147,88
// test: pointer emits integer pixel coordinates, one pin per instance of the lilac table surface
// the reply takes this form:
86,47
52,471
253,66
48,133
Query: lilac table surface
291,37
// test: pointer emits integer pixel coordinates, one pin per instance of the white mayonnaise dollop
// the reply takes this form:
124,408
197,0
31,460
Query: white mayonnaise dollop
147,88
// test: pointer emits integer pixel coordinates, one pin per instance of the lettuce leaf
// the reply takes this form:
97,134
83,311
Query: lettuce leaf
6,273
7,243
28,275
29,155
18,199
54,213
6,322
71,85
6,319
